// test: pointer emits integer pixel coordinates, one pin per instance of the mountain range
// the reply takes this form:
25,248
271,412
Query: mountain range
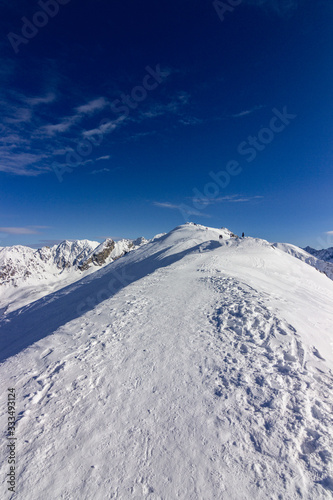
27,274
324,254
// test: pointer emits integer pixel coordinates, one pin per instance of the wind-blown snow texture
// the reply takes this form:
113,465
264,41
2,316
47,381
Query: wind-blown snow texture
187,369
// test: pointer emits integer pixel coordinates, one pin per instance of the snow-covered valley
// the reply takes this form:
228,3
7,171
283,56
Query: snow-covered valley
192,367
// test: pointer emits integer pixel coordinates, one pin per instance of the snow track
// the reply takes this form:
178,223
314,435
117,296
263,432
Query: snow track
186,384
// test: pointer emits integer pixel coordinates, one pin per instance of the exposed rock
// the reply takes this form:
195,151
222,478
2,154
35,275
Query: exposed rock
99,256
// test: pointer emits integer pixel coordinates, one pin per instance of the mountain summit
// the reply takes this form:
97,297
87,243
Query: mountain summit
194,367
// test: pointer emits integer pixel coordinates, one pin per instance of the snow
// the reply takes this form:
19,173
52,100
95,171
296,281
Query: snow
319,264
191,368
27,275
324,254
68,253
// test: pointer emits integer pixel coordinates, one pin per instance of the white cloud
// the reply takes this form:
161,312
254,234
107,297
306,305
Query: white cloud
92,106
104,128
101,170
62,151
103,158
13,139
35,101
20,115
18,230
190,120
182,208
21,163
246,112
68,121
60,127
174,106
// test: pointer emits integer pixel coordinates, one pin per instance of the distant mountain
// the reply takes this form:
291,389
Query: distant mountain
324,254
39,272
20,264
323,266
106,252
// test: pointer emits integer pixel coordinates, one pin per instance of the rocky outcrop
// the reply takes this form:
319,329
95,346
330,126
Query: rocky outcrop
99,256
108,252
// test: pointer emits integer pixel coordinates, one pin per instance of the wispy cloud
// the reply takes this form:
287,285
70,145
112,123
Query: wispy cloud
19,109
21,163
104,128
139,135
36,101
62,151
246,112
23,150
19,155
190,120
12,139
174,106
18,230
181,207
20,115
25,126
100,171
93,106
329,232
107,157
67,122
61,127
233,198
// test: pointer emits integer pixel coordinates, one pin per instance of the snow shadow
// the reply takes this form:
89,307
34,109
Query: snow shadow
31,323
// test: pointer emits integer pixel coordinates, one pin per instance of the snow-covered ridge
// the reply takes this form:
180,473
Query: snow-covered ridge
196,367
323,266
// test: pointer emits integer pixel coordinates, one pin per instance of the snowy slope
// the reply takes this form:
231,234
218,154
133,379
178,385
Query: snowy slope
299,253
188,369
27,275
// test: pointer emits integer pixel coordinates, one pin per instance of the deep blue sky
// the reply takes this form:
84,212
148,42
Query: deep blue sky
76,163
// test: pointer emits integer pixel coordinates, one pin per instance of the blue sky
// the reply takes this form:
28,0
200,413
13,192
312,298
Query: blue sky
129,118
